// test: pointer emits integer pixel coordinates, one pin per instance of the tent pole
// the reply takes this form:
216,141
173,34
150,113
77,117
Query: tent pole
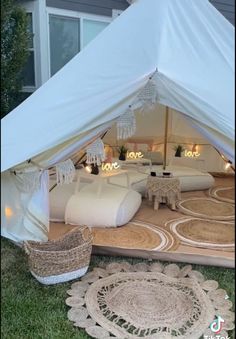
166,136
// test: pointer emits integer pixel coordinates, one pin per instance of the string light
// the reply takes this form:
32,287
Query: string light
8,212
87,167
194,148
228,165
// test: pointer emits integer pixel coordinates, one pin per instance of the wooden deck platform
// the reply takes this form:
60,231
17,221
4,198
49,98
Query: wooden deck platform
147,236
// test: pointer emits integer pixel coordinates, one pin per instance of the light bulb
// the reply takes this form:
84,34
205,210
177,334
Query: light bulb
8,212
88,169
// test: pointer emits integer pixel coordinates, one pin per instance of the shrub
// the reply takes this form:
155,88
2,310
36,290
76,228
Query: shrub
14,45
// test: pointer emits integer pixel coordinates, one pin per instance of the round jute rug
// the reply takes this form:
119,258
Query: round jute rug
207,208
148,301
204,233
136,235
226,194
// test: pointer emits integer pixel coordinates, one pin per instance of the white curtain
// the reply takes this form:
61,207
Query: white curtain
25,213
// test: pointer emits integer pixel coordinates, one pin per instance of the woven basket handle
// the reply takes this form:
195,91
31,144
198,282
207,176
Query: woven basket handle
26,247
85,231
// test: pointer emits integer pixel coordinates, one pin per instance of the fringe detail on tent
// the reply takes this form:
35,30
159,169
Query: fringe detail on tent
27,182
126,125
65,172
95,152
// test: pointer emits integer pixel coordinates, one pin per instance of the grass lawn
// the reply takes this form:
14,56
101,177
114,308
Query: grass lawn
33,311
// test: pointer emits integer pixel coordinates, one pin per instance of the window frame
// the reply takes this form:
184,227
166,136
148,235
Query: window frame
74,15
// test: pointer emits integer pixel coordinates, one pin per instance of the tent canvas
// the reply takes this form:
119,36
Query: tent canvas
187,47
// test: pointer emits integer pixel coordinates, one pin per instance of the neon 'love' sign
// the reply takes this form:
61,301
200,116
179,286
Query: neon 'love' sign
134,155
191,154
110,166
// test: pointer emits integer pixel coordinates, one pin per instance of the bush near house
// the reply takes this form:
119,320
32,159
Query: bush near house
14,52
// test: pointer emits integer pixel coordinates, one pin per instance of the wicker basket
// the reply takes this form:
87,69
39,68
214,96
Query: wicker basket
61,260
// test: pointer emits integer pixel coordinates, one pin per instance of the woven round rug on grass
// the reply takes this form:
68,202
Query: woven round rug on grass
207,208
136,235
197,232
220,193
148,301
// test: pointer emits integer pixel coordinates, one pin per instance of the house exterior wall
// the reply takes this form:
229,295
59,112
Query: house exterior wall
98,7
104,7
105,10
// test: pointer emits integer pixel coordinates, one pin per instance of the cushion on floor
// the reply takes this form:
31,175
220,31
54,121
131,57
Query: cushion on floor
58,199
115,206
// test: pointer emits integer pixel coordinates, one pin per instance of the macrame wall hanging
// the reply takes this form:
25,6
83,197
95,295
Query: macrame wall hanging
95,152
65,172
148,96
146,99
126,125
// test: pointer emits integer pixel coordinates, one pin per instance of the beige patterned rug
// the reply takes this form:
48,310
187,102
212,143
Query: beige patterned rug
226,194
148,301
135,235
196,232
207,208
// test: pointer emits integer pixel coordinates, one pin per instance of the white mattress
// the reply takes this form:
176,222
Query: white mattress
115,206
137,180
123,204
190,179
58,199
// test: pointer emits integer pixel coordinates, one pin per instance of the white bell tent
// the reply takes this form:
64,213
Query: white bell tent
179,53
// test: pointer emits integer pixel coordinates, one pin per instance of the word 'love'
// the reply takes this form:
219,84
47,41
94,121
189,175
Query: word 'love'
110,166
134,155
191,154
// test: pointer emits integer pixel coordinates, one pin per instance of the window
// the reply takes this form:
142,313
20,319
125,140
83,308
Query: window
28,72
68,35
64,40
91,29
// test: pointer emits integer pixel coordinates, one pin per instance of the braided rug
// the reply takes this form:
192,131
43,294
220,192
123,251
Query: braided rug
148,301
221,193
137,235
207,208
198,232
